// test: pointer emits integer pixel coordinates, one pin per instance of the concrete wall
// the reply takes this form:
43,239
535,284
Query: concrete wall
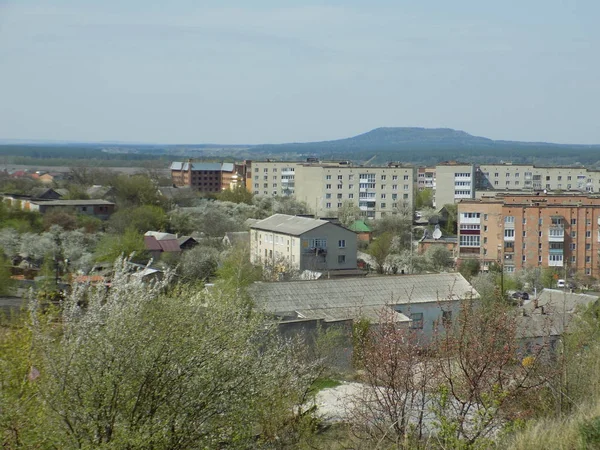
432,315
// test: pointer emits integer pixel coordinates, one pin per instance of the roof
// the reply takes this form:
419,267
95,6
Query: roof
73,202
353,294
223,167
555,310
285,224
160,236
360,226
183,239
98,191
156,241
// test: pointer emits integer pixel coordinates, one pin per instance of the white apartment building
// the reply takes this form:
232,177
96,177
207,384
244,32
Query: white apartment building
271,178
376,191
287,242
426,178
454,181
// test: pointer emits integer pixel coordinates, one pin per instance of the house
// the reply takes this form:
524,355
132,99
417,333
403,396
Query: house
236,237
101,192
418,301
100,209
544,320
45,194
158,243
187,242
362,230
293,243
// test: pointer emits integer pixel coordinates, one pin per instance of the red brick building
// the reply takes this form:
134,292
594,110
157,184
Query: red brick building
527,230
206,177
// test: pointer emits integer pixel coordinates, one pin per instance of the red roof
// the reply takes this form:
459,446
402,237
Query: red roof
164,245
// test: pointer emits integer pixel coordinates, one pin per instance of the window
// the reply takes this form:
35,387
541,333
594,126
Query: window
588,259
485,216
339,186
339,205
509,219
417,321
327,186
447,318
573,234
383,205
382,196
328,177
509,233
406,187
328,205
275,177
485,240
256,169
573,221
383,186
339,177
265,169
341,259
405,177
405,196
350,177
342,243
394,196
507,174
394,177
588,234
588,246
327,195
588,271
339,196
573,259
350,195
469,240
394,187
485,228
383,177
573,245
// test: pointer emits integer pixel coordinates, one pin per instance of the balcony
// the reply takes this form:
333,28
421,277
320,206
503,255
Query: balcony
509,238
470,220
288,172
469,251
555,262
556,234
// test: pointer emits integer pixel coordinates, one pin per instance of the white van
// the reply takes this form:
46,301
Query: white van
561,283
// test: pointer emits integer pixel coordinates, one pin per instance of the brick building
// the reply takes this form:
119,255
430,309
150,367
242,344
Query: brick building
527,230
206,177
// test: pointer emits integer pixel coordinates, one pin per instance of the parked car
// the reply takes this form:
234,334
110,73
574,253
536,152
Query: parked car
520,295
561,283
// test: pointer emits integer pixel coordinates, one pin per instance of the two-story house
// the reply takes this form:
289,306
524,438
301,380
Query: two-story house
287,243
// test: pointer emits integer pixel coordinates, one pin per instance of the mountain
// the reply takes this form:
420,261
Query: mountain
431,145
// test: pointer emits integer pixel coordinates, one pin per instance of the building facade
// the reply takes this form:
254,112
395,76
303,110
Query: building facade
293,243
426,178
454,182
205,177
520,231
377,191
271,178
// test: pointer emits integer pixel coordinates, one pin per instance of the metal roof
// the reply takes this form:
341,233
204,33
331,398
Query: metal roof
285,224
223,167
91,202
356,293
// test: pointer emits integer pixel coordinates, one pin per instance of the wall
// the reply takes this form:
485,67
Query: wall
333,234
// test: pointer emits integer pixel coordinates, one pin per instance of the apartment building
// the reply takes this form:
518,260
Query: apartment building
271,178
206,177
301,243
509,176
454,181
425,178
377,191
532,230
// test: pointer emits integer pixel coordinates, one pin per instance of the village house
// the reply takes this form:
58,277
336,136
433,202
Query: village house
294,243
100,209
421,302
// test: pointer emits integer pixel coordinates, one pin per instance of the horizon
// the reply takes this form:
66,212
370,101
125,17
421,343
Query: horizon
21,141
146,72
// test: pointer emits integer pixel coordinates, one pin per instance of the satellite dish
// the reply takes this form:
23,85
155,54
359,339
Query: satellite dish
437,233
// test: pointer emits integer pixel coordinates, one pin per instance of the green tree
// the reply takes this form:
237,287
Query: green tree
111,246
438,258
348,213
135,190
6,282
237,195
142,367
142,218
452,210
380,249
424,198
469,268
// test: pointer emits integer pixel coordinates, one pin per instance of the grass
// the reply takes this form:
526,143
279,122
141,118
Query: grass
324,383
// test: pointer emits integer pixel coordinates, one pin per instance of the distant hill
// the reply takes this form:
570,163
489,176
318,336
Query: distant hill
430,145
423,146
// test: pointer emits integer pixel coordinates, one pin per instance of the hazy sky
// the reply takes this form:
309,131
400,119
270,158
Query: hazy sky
255,71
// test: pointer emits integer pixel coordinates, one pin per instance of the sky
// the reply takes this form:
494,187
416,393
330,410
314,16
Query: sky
260,71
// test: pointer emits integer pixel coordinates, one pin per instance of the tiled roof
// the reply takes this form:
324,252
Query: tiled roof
285,224
356,293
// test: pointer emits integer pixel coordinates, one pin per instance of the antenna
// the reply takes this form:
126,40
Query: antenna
437,233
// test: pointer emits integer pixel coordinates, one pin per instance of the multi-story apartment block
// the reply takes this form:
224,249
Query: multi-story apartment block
529,231
301,243
271,178
529,177
454,181
376,191
426,178
206,177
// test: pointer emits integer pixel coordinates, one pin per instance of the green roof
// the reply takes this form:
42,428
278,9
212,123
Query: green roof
360,226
